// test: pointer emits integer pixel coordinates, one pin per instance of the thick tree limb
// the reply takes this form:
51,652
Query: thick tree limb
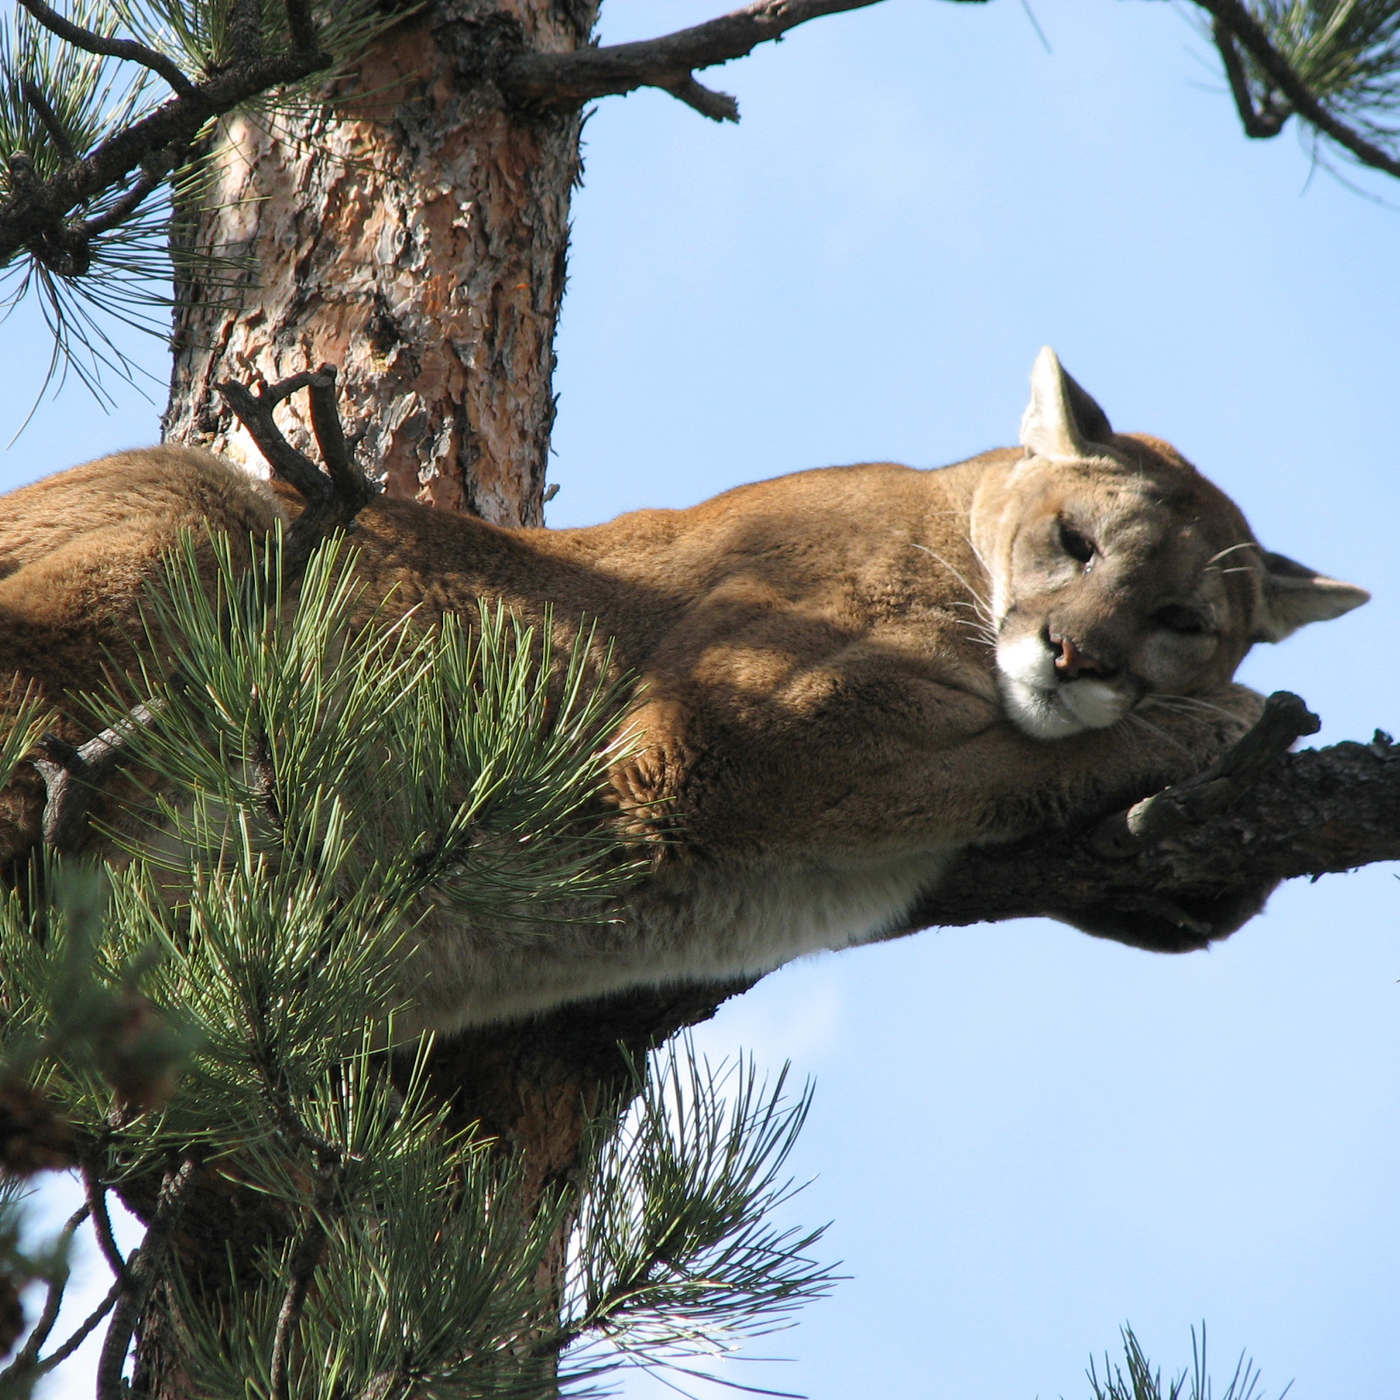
1233,19
1256,817
1318,812
553,79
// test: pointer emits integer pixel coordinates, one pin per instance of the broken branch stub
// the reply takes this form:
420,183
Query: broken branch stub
332,498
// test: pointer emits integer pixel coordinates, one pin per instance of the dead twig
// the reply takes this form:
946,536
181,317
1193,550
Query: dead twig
334,497
73,775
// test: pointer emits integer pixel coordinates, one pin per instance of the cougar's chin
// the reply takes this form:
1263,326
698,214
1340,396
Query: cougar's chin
1041,705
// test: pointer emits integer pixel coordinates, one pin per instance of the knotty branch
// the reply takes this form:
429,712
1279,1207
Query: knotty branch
1313,813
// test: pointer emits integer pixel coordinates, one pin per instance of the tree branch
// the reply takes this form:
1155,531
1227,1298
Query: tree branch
1234,18
1258,125
34,95
84,1329
332,500
1285,720
301,23
102,1223
26,1359
550,79
36,212
305,1260
1312,813
72,775
121,209
245,31
146,1266
128,49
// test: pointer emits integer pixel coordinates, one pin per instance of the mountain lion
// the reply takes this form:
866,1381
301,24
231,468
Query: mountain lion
843,676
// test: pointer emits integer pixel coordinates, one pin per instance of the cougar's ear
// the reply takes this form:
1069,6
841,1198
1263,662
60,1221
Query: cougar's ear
1294,596
1062,421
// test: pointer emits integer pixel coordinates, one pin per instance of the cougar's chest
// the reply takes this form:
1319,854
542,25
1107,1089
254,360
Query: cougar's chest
714,921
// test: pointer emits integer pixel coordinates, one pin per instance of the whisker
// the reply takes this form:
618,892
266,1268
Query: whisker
1161,735
1186,704
978,599
1244,544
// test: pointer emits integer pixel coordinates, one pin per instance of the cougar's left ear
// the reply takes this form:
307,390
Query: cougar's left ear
1062,421
1294,596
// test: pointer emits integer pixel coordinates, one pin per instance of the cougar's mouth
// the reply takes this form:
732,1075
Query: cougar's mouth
1042,705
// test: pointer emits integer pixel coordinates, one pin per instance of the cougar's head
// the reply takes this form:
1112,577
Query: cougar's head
1119,572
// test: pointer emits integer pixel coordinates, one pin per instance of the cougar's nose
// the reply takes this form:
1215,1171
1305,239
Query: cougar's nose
1071,662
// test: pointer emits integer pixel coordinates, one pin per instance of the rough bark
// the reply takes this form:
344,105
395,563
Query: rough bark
413,235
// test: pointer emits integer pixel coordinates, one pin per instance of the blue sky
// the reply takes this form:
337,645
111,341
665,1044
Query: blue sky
1022,1135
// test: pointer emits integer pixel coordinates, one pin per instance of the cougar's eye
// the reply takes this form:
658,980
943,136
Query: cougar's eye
1078,546
1176,618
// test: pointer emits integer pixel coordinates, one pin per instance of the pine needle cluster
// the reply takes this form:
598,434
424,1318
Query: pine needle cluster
1140,1381
212,1016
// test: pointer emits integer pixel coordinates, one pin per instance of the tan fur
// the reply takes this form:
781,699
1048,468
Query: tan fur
824,716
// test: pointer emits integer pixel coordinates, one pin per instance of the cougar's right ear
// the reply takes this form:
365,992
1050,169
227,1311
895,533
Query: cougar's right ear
1294,596
1062,421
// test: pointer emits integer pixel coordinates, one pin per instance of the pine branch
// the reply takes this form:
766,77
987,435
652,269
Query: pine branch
38,215
669,63
306,1259
301,24
245,30
80,1334
1312,813
145,1271
27,1358
74,774
102,1224
127,49
34,95
1232,18
1258,125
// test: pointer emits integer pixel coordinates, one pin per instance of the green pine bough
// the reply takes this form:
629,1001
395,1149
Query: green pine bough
213,1013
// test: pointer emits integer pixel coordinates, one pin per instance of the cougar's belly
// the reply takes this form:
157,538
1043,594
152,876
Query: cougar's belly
697,923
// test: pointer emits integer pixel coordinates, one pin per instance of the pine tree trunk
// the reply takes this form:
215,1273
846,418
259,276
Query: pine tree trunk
414,236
